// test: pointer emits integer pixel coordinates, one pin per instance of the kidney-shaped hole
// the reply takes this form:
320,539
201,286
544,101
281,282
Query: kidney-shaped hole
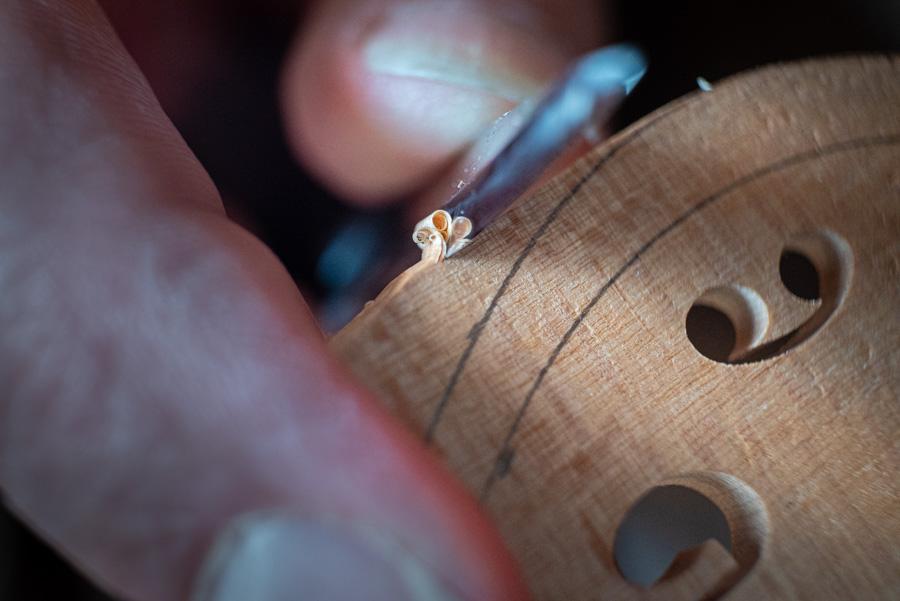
667,524
662,524
727,321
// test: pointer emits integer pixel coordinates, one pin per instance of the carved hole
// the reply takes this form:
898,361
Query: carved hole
710,331
727,321
659,537
662,524
799,275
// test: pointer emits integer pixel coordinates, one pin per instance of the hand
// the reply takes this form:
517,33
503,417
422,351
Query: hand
170,418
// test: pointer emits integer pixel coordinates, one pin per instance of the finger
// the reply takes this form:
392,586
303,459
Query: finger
177,44
380,95
163,385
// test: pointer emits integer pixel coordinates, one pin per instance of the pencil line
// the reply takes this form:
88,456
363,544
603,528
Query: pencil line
502,463
475,333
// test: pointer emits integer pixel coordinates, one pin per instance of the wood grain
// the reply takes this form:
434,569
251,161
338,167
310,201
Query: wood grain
549,364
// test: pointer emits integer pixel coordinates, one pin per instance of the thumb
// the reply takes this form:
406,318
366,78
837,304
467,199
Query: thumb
379,96
167,406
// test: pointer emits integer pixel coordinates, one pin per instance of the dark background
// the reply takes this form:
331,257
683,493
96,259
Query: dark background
232,122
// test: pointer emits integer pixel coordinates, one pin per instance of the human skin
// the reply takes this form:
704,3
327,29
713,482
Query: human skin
161,376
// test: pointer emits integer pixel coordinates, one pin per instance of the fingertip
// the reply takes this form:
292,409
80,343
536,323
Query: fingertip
333,130
379,97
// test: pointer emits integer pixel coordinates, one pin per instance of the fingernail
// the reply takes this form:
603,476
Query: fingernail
449,72
277,557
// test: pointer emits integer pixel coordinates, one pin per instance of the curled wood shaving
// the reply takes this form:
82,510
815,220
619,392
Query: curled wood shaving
441,234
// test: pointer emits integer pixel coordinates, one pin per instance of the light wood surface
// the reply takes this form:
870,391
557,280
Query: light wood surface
549,365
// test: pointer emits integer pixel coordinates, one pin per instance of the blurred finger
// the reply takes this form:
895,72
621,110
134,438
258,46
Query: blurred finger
379,96
164,385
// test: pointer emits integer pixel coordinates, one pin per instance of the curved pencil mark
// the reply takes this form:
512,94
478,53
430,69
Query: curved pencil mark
475,333
502,463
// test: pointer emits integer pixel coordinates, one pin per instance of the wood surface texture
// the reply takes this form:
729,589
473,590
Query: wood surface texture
549,365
